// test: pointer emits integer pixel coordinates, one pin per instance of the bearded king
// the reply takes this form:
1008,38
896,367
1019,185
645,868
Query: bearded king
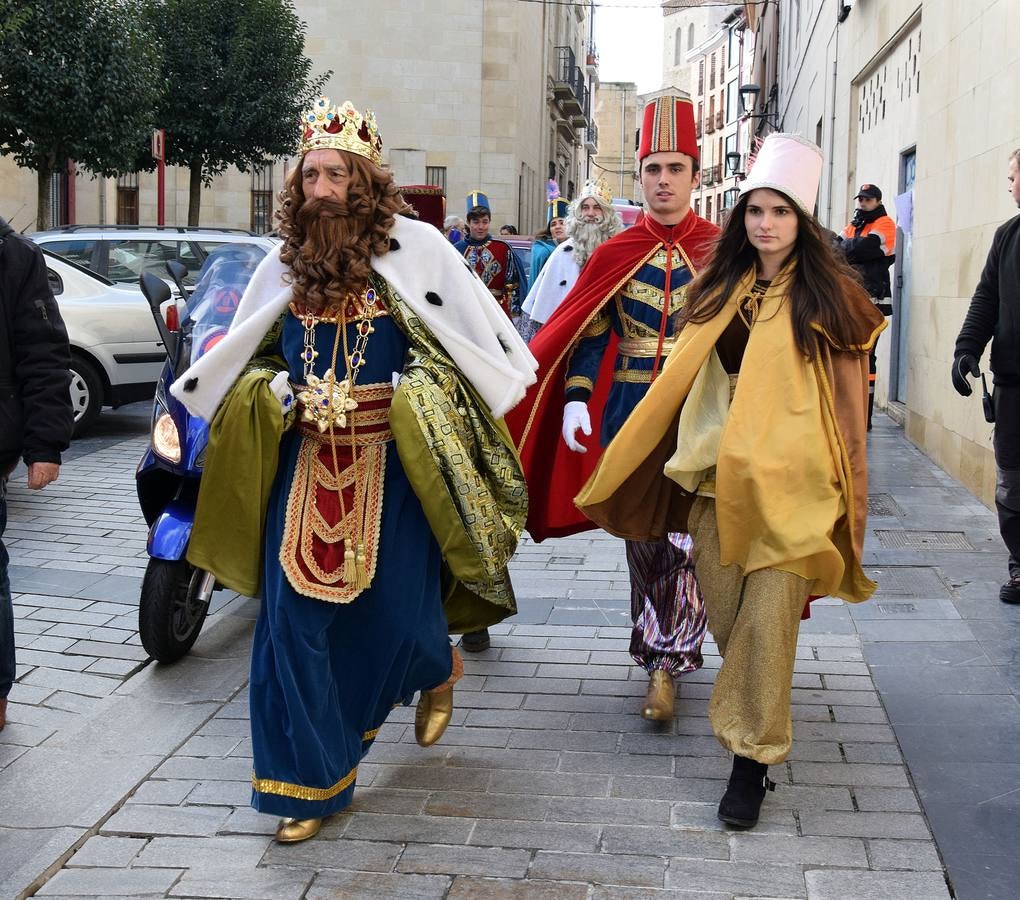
590,222
358,476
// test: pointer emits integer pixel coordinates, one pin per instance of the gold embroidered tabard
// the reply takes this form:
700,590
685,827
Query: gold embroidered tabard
317,528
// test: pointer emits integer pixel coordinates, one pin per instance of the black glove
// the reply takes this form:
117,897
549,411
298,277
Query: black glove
965,364
858,220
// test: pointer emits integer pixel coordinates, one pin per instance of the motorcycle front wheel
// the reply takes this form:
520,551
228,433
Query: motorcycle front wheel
172,608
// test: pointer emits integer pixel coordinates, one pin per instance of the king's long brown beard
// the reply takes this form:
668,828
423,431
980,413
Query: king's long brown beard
333,253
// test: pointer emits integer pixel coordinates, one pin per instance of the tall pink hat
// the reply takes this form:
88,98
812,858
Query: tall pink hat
790,164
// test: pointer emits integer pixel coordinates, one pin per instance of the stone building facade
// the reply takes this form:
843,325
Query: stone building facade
707,53
470,94
616,116
914,96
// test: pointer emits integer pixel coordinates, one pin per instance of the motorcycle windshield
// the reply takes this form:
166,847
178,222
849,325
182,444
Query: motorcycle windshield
221,282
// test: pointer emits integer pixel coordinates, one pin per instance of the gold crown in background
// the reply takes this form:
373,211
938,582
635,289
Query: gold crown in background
342,127
598,189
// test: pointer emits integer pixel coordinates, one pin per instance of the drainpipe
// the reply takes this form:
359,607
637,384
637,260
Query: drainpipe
832,130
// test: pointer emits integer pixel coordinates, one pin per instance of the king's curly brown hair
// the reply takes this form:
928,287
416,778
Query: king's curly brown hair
328,245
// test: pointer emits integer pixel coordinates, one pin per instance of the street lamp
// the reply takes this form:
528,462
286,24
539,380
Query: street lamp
749,96
730,197
749,100
733,164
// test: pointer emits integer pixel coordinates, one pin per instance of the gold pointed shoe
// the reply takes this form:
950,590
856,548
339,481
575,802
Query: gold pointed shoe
432,715
290,831
660,697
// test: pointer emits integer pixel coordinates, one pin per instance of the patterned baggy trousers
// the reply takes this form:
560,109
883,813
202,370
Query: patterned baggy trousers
665,605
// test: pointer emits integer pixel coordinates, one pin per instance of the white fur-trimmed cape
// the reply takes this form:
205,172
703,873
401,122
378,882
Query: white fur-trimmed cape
553,283
435,282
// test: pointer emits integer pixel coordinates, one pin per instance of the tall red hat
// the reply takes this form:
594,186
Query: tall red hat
668,125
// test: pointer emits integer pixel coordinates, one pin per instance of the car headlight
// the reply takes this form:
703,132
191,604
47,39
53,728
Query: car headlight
165,440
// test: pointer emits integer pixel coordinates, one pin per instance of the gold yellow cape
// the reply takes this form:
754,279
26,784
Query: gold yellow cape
791,476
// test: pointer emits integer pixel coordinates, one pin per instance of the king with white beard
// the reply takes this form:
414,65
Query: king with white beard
591,221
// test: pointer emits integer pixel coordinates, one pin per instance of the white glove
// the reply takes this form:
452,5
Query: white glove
575,415
280,386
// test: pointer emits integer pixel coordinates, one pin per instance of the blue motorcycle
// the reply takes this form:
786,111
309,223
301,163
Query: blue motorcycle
175,594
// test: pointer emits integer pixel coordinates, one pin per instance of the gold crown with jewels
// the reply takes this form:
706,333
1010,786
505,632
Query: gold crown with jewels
326,127
597,189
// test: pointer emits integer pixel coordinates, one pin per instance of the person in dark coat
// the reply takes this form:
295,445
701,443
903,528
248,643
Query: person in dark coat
994,315
869,242
35,402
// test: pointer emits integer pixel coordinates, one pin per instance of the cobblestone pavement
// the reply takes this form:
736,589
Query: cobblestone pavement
77,560
133,780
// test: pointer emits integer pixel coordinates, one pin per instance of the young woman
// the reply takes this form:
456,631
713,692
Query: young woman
753,440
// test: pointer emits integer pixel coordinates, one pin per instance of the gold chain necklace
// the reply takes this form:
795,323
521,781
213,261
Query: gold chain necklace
326,401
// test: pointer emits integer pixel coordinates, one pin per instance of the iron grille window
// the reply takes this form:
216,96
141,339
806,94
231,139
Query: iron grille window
58,199
436,176
262,199
127,199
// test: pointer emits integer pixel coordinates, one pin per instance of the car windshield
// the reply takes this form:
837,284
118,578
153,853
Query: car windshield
221,282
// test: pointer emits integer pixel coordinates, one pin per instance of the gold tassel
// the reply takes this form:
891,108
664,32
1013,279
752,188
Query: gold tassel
361,566
350,566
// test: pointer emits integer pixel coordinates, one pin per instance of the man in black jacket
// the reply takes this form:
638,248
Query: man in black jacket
869,242
994,314
35,403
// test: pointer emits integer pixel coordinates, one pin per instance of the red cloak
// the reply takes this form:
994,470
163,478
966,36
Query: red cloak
556,474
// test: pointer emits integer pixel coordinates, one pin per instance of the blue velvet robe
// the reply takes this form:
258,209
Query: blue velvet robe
324,675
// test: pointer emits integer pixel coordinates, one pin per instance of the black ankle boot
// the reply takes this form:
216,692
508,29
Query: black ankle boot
741,803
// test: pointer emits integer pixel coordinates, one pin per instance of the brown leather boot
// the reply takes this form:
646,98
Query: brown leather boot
3,712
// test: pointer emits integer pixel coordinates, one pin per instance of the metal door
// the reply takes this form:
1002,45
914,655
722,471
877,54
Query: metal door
902,287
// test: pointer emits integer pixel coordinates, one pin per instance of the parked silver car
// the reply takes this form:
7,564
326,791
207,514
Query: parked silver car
123,252
116,352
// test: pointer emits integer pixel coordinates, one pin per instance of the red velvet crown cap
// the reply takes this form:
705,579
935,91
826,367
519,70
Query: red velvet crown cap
668,126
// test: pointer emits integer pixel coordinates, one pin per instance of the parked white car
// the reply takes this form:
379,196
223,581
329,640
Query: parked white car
116,353
123,252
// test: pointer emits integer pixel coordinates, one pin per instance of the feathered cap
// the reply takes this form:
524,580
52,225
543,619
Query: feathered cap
326,127
557,210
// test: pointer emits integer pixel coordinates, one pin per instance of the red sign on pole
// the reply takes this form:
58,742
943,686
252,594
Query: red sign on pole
158,148
158,136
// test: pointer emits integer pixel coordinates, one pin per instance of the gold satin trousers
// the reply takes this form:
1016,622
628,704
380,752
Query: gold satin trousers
755,621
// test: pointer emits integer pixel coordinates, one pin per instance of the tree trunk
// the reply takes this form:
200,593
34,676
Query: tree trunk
195,191
42,215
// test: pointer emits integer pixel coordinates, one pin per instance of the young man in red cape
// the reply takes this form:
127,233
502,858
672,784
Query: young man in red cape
598,354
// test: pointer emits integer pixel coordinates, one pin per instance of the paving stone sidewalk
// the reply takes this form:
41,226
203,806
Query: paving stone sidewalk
548,784
77,560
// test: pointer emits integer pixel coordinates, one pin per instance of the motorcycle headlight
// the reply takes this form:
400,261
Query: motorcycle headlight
165,440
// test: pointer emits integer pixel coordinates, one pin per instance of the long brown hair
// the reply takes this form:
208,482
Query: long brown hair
818,286
328,245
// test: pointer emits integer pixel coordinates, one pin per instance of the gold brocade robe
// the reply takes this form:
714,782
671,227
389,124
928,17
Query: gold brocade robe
791,474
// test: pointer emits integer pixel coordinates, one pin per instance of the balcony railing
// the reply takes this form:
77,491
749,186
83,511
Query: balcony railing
720,119
591,141
711,175
710,124
697,129
568,83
